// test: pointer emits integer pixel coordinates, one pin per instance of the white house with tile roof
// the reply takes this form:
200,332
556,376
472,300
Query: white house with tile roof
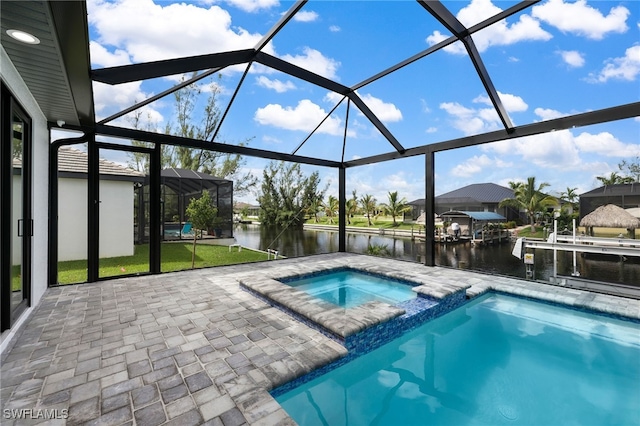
116,207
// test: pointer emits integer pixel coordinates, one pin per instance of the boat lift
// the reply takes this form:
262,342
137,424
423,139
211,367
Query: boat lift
574,243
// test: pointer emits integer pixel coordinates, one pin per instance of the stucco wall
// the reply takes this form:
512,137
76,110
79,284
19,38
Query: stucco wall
116,219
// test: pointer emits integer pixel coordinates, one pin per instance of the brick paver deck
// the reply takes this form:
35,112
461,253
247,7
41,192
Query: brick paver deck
192,347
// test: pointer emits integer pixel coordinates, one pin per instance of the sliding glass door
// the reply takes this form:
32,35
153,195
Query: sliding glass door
17,225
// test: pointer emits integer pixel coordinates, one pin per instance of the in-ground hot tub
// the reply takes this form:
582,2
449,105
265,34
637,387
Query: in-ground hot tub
348,288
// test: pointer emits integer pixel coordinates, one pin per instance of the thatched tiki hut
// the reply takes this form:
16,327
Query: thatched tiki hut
611,216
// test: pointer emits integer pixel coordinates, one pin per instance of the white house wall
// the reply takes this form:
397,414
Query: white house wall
116,219
40,179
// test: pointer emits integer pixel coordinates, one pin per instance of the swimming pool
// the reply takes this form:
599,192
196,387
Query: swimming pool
496,360
349,288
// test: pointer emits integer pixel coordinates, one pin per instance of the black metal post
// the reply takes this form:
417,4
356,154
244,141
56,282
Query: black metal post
342,210
429,210
154,211
93,210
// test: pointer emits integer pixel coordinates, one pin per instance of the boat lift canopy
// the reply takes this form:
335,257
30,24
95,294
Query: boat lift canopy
477,216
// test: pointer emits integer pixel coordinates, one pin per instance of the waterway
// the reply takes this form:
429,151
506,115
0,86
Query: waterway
495,259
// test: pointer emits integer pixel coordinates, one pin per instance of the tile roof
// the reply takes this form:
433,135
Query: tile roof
73,160
478,192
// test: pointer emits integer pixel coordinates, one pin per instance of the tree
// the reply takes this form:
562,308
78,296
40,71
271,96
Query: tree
530,198
351,206
287,195
614,179
368,203
631,169
515,185
570,195
395,207
202,214
331,208
315,206
196,121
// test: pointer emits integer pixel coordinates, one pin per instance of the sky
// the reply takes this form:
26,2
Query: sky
553,59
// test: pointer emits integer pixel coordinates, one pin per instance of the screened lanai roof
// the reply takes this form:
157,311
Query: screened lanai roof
68,88
189,181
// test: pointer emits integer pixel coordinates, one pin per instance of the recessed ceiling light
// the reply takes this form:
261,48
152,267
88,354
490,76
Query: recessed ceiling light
23,36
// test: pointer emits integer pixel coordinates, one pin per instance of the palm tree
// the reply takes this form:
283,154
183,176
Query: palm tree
314,208
351,206
351,209
570,195
614,178
331,207
368,203
395,207
515,185
530,198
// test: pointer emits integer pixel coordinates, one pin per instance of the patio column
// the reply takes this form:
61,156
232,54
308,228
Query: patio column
429,210
342,209
155,238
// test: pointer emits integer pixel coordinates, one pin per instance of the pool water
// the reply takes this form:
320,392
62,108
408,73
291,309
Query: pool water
497,360
351,288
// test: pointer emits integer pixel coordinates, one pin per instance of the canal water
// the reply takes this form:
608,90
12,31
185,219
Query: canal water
495,259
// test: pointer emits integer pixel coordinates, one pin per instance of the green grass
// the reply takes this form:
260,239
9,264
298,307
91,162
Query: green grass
361,221
526,232
175,257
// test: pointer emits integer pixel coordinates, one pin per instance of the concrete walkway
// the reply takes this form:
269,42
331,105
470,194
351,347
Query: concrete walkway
192,347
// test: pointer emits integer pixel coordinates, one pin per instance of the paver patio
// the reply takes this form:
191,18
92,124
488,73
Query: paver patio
192,347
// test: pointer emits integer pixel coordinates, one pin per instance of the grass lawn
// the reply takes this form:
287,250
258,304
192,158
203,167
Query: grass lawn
175,257
526,232
361,221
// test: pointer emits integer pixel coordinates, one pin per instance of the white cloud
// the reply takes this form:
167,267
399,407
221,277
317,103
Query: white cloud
275,84
109,99
477,164
563,150
582,19
512,103
270,140
314,61
304,117
553,150
386,112
498,34
573,58
548,114
253,5
606,144
305,16
467,120
472,120
334,29
163,34
431,130
333,97
101,57
624,68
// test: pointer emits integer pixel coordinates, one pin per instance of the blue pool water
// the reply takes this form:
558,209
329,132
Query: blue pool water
350,288
497,360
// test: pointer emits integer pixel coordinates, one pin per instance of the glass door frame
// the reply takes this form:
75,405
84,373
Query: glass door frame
93,201
94,206
10,108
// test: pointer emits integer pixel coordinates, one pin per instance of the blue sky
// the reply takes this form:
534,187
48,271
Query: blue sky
557,58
